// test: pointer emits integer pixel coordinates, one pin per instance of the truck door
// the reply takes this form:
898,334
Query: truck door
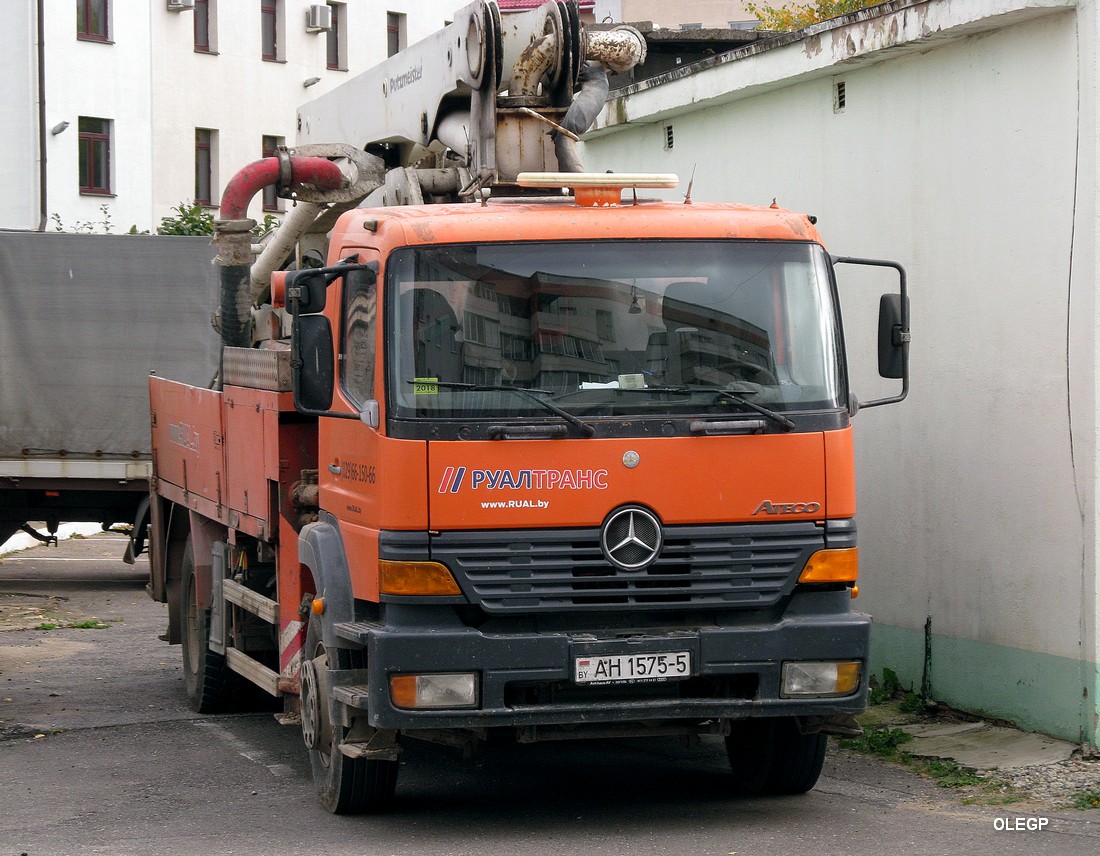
357,465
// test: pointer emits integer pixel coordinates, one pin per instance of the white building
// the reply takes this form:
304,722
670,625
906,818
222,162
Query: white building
116,111
958,137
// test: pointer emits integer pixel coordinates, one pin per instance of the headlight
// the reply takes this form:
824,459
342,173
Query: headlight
820,679
434,692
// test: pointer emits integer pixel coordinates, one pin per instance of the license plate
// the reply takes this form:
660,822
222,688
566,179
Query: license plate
632,668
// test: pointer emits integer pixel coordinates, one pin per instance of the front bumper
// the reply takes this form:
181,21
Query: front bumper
525,677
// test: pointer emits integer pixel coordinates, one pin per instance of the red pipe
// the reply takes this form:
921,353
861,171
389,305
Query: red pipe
250,180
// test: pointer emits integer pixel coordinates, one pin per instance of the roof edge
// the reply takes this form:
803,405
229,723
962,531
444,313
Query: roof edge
865,37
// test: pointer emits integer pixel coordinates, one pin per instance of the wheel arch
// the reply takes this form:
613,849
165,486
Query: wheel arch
169,527
204,532
321,551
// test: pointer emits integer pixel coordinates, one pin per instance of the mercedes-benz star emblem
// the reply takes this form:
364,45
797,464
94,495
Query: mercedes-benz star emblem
631,538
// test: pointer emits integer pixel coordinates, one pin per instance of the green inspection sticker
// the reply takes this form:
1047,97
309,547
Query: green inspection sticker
425,386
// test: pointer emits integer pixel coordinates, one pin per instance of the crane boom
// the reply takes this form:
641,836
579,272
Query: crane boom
487,94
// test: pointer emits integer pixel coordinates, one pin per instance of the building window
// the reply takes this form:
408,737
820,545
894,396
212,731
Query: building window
395,33
91,20
205,141
336,56
481,330
271,201
95,155
271,22
205,29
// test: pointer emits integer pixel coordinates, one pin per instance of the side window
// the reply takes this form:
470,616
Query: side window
92,19
205,25
360,319
95,155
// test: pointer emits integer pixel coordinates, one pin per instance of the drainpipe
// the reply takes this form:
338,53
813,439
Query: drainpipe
43,205
233,233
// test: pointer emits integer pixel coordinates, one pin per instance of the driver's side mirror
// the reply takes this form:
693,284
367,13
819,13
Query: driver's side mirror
312,361
309,287
315,373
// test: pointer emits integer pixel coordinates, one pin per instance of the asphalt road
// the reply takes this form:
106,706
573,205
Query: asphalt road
99,753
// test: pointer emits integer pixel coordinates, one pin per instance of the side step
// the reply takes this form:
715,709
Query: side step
254,670
267,610
246,598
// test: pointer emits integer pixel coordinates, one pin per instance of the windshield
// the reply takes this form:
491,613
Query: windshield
610,328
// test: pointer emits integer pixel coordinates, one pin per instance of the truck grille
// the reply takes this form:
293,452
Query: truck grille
716,567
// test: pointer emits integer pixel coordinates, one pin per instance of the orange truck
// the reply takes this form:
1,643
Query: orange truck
547,466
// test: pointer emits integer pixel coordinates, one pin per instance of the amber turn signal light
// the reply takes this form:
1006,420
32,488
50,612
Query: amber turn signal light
832,566
416,579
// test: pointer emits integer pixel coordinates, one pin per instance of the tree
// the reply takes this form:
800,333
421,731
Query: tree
794,17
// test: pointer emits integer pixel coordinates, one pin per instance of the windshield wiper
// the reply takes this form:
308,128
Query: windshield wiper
530,394
778,418
739,400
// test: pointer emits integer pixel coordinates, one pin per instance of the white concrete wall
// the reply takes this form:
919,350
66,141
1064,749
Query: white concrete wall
959,159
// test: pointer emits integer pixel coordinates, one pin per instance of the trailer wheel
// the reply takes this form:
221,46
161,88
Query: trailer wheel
771,756
207,677
345,785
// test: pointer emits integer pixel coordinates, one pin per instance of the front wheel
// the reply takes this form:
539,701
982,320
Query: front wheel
345,785
771,756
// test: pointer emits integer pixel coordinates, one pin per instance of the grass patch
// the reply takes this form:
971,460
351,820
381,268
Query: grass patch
948,774
881,742
90,624
991,794
1086,800
886,743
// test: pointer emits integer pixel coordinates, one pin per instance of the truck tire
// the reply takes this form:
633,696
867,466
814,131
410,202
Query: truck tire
771,756
207,678
345,785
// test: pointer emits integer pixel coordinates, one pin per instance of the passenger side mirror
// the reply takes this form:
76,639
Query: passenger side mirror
891,338
893,330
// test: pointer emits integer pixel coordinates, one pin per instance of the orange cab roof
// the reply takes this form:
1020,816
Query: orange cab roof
563,220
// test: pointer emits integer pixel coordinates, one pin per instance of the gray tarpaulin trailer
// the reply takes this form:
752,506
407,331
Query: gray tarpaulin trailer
84,319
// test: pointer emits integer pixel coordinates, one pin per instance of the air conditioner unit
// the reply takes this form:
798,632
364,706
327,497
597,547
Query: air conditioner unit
180,5
318,18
